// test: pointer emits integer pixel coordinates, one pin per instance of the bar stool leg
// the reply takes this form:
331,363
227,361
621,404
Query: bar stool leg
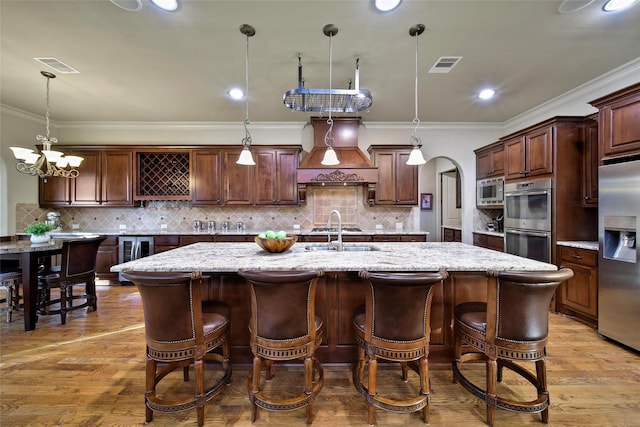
373,369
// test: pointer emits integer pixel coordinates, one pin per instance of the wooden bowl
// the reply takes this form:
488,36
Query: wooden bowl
276,245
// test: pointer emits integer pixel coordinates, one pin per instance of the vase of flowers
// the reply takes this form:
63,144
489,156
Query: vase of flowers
39,232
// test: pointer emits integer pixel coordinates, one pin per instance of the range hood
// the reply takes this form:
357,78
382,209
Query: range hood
355,167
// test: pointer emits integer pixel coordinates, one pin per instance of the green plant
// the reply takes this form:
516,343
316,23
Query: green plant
39,228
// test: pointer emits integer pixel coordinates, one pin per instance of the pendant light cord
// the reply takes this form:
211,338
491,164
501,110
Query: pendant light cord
328,138
246,141
416,121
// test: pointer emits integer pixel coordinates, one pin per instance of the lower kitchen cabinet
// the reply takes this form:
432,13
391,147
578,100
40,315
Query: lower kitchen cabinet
489,241
578,296
451,235
165,242
107,257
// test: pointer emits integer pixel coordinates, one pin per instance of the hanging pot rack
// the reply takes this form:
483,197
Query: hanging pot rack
328,100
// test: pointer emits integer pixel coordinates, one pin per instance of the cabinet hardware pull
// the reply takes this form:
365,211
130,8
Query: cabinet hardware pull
577,256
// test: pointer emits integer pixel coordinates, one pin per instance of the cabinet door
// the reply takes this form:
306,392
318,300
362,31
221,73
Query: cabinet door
54,192
287,182
85,189
107,257
207,183
514,154
406,179
266,177
116,178
386,187
238,183
590,166
539,152
620,125
490,162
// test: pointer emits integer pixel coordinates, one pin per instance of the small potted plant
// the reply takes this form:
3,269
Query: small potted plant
39,232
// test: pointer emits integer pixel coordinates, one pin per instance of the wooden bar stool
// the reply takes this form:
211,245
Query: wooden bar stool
509,329
181,331
284,327
395,326
77,267
10,280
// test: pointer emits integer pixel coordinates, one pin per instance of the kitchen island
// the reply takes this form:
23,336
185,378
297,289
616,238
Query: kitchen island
341,290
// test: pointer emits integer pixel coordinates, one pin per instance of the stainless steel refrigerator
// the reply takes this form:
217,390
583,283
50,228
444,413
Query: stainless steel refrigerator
619,269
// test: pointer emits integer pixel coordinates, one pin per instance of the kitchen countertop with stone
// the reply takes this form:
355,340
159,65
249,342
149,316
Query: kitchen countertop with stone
191,232
580,244
231,257
489,233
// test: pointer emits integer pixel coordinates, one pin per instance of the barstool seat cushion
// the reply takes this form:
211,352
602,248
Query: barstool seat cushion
473,314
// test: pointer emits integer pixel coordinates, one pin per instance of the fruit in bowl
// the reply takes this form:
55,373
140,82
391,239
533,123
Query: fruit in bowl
274,242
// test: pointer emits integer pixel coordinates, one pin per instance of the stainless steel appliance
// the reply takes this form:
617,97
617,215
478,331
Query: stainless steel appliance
490,193
134,247
528,220
618,269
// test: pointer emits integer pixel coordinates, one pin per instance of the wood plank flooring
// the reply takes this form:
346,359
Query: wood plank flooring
90,372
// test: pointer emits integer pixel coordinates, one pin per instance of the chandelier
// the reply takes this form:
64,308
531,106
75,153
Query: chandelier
46,162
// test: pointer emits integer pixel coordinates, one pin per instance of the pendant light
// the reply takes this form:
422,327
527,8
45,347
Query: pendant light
245,155
415,157
330,158
48,162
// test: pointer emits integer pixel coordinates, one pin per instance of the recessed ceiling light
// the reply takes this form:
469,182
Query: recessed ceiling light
386,5
236,93
486,94
616,5
168,5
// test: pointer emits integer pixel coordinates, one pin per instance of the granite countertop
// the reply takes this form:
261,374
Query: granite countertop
453,227
251,232
231,257
580,244
490,233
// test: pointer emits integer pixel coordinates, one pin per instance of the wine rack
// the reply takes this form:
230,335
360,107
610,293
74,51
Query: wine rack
163,176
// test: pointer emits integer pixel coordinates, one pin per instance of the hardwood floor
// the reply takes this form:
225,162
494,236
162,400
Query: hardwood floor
90,372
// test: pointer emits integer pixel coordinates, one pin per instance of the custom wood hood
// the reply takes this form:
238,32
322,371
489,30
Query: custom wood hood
355,166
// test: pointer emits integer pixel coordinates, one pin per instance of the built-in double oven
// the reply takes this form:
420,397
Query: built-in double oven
527,219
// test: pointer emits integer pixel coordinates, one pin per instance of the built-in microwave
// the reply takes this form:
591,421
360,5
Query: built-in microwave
490,193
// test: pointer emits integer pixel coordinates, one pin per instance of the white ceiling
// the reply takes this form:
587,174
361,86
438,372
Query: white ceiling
152,65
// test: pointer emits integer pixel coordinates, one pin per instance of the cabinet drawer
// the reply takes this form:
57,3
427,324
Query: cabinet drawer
579,256
173,240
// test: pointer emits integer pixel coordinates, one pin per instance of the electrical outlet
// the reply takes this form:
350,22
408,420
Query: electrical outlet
163,226
123,226
75,226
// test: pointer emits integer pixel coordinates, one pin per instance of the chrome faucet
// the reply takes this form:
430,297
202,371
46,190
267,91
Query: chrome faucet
339,242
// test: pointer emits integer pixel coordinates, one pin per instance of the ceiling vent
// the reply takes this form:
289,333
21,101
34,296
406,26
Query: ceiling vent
444,64
57,65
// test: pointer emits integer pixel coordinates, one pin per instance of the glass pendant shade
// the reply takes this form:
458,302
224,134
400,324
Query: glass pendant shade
245,157
330,158
415,157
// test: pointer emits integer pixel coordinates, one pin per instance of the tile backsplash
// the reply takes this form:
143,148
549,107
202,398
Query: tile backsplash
179,216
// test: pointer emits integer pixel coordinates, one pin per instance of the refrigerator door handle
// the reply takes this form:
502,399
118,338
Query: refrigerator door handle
132,253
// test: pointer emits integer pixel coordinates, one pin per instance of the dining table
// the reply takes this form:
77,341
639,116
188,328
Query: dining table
29,255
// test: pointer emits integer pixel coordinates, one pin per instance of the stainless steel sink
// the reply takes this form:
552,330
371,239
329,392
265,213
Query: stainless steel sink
345,248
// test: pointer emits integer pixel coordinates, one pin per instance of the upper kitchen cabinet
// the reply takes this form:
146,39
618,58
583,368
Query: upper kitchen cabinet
238,179
162,174
590,163
534,151
104,180
619,123
529,154
207,177
275,176
490,161
397,182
